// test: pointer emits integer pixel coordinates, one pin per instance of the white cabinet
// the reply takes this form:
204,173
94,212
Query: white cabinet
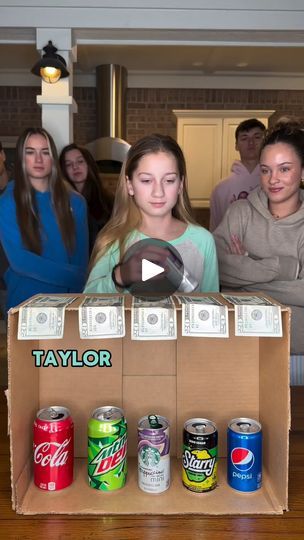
207,138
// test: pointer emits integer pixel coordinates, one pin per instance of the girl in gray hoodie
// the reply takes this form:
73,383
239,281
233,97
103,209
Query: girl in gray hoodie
260,241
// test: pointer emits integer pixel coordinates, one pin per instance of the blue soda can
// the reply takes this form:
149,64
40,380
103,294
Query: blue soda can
244,454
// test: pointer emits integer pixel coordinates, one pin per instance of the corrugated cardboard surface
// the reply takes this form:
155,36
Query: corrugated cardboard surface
79,498
214,378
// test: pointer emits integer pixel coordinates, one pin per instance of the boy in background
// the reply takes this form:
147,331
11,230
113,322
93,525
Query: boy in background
245,173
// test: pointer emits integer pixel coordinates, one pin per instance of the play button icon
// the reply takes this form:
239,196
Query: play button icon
152,269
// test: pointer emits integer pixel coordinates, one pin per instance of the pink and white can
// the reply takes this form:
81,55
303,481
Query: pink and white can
153,453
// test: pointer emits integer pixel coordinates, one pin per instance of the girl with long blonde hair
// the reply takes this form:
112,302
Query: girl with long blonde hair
151,203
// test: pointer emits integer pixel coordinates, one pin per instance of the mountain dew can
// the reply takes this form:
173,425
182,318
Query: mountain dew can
107,449
199,455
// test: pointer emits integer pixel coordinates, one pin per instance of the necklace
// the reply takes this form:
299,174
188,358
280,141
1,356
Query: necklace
277,216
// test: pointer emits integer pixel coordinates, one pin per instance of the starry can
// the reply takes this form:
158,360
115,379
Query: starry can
199,472
107,449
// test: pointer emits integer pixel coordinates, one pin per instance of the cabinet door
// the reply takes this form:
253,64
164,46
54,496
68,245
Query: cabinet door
207,138
201,142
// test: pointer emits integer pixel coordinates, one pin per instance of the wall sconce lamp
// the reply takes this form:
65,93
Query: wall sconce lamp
51,67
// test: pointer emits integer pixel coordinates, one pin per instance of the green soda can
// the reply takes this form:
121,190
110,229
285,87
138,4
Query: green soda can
107,449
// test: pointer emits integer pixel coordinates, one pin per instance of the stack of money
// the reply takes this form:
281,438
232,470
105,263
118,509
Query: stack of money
255,316
43,317
203,316
102,317
151,320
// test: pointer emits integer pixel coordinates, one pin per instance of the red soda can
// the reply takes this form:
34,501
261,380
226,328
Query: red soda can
53,444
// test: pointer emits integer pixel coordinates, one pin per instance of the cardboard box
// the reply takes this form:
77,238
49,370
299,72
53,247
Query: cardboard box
214,378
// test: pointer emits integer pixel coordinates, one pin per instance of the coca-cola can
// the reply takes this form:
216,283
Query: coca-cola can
53,444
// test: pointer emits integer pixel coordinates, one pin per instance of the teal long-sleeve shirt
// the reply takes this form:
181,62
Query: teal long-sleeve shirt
55,270
196,247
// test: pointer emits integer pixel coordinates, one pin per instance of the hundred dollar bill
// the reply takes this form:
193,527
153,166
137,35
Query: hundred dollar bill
258,320
43,317
102,317
151,320
203,316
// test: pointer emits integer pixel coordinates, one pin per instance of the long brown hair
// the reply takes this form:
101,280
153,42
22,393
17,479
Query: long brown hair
126,216
94,192
26,206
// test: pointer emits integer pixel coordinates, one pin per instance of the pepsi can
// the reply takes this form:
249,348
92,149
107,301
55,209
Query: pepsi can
244,454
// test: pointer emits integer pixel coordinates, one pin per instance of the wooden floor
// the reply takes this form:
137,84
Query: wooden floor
288,526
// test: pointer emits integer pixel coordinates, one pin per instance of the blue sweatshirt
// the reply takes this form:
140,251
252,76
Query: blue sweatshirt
55,270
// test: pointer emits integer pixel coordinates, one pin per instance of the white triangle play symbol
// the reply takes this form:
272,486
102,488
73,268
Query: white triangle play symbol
150,269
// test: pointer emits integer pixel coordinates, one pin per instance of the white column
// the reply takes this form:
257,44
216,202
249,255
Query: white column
56,100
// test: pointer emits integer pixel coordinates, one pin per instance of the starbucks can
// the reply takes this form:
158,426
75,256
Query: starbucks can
153,454
199,455
107,449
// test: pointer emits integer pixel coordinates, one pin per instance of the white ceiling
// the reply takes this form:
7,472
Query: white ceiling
207,59
171,58
211,38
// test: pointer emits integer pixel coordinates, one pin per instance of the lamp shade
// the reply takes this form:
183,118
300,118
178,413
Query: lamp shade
51,67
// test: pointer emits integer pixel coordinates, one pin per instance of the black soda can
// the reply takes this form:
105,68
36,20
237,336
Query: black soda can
200,455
